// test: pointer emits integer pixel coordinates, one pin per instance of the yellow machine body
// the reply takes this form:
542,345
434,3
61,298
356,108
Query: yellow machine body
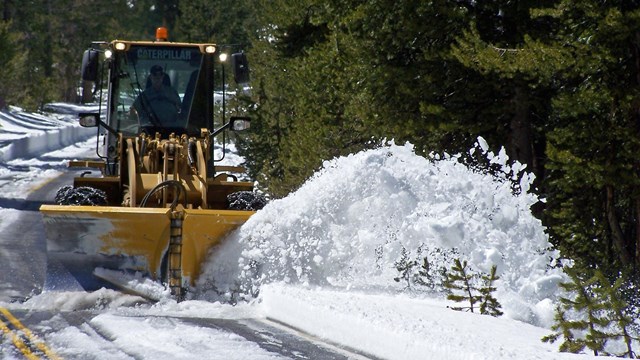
134,239
166,199
164,233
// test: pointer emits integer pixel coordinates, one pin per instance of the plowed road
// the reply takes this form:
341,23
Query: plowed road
98,335
40,333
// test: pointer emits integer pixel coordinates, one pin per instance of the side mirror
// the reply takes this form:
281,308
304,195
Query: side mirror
240,68
236,123
89,119
90,63
92,120
239,123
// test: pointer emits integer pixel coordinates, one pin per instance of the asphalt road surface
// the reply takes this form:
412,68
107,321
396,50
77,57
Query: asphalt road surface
22,242
33,328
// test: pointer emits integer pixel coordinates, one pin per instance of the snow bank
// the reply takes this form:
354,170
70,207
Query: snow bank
26,135
402,327
349,224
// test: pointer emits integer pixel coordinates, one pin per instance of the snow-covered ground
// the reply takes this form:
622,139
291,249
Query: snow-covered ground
323,260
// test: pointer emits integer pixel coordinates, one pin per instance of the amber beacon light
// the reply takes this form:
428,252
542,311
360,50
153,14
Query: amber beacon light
162,34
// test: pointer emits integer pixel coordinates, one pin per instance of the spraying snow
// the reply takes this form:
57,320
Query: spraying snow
352,221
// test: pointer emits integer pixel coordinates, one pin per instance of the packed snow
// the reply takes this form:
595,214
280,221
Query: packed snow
323,260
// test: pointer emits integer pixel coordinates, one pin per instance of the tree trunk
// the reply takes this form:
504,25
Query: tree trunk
616,232
6,11
636,54
87,91
637,237
520,146
48,43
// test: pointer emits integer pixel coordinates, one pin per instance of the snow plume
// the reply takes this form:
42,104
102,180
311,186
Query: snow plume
354,221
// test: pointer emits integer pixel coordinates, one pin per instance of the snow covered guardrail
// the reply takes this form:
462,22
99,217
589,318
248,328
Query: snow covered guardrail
25,135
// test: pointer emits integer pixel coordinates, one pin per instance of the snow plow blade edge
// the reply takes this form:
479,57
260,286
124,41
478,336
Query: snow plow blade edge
162,245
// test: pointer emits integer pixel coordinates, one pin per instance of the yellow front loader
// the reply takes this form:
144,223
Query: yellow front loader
160,201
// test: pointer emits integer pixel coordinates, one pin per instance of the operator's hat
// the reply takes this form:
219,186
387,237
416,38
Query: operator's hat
155,69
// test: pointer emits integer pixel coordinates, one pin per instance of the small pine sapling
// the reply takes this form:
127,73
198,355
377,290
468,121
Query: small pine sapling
590,322
424,276
459,284
618,320
405,266
565,327
431,272
586,302
489,305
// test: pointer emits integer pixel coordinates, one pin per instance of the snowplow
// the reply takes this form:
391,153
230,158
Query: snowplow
156,200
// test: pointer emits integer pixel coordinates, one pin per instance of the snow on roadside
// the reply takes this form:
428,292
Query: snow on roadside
403,327
25,135
36,147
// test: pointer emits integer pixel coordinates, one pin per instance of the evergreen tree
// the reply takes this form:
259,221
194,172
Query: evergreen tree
593,307
346,75
13,67
148,15
489,305
429,275
425,278
51,37
298,67
360,75
619,322
499,48
600,315
568,327
405,266
460,284
272,120
591,183
224,22
30,22
556,84
564,328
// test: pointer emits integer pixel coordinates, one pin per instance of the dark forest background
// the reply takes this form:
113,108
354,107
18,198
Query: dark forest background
556,82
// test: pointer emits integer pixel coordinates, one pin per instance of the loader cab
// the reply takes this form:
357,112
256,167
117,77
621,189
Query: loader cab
126,78
185,70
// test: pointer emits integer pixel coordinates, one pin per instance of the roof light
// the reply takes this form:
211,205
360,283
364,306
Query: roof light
209,49
120,46
162,34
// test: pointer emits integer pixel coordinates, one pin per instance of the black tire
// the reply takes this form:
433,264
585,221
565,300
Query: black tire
84,195
246,200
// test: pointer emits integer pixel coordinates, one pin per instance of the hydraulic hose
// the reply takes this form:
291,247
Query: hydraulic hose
181,191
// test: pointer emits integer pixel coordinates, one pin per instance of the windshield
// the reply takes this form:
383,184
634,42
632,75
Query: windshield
154,90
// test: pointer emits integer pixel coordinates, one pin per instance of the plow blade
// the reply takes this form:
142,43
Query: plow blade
201,230
161,244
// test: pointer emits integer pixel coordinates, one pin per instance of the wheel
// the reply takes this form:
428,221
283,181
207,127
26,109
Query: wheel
246,200
84,195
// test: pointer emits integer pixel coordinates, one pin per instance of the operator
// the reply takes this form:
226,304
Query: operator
158,104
